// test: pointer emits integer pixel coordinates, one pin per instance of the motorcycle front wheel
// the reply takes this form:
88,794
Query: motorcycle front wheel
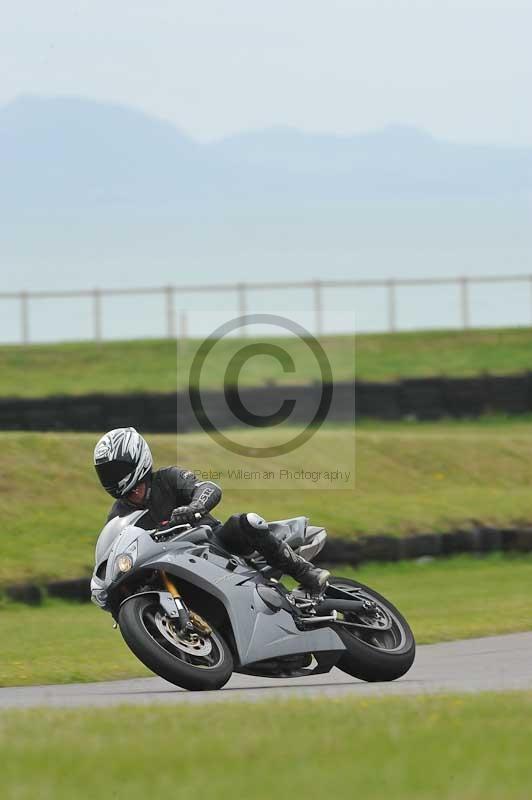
191,660
374,653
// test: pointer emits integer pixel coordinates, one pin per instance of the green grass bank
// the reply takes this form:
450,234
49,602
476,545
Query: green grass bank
148,365
408,477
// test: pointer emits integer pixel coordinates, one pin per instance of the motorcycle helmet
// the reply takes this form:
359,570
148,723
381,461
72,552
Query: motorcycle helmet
122,459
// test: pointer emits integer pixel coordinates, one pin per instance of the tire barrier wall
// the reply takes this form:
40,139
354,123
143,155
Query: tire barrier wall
423,399
337,552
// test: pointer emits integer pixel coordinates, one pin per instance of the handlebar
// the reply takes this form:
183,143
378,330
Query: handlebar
164,530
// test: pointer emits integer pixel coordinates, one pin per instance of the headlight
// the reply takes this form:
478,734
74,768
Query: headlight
123,563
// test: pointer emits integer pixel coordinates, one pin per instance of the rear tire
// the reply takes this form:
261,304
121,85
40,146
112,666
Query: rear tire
383,656
149,634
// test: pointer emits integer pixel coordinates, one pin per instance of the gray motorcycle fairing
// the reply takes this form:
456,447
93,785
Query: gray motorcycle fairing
260,632
111,531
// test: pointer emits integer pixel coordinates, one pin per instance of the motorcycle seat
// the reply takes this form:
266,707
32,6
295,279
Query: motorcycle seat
291,531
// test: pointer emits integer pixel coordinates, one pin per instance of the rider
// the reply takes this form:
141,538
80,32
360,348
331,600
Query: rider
124,465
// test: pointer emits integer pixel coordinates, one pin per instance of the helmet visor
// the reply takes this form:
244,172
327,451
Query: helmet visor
111,473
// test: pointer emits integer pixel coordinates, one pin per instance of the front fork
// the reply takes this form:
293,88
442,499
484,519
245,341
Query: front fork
182,612
187,619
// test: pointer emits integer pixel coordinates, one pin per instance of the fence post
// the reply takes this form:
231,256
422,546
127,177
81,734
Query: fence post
170,314
318,307
392,306
242,305
97,314
464,301
183,335
24,318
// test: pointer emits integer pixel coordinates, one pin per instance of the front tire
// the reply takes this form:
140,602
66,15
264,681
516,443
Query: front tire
374,655
202,663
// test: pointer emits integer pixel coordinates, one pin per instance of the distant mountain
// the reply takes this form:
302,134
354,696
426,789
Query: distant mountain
397,158
68,153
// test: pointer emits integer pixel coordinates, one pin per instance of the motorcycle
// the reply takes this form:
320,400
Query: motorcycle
194,612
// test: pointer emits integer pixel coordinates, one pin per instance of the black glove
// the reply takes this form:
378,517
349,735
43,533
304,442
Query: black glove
184,515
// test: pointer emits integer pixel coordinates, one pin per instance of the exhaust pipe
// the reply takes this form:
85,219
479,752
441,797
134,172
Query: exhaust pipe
328,605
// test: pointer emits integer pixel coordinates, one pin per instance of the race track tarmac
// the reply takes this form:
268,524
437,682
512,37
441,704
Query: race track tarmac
496,663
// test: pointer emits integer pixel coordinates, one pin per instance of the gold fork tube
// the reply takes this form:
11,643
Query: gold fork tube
170,586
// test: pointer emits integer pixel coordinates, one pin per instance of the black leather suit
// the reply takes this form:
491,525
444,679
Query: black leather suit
169,488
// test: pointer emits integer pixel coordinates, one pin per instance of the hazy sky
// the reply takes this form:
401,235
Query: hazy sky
459,68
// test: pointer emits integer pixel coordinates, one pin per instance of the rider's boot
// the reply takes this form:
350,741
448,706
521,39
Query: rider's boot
281,556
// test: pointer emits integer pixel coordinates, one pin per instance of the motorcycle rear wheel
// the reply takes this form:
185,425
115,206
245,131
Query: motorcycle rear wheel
374,656
196,662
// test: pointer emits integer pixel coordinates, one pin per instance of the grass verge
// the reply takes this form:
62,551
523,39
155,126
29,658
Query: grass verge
84,367
422,748
450,599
